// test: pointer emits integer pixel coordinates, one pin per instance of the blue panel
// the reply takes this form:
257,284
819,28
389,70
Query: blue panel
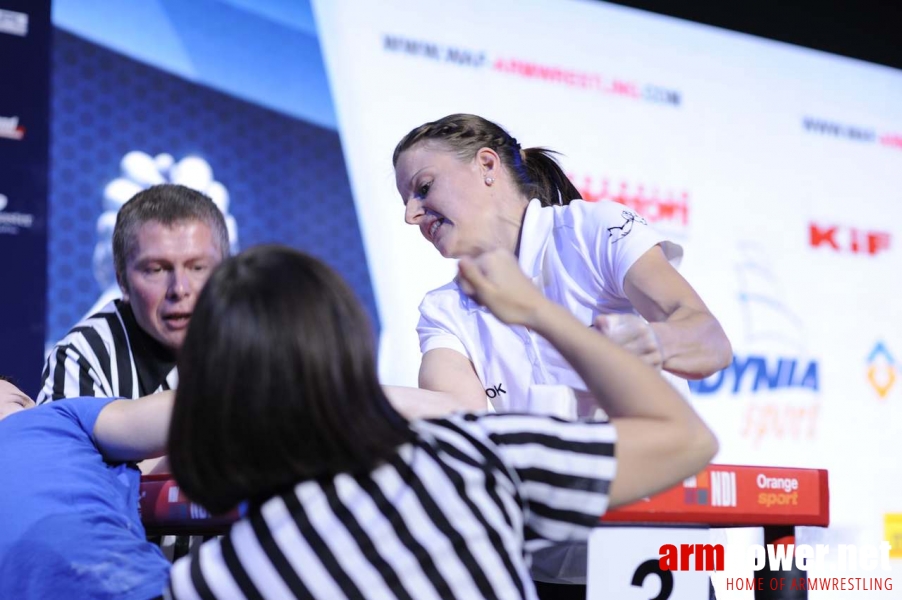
24,108
267,53
297,14
286,177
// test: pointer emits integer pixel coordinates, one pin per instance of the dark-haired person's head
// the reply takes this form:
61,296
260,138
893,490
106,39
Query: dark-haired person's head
277,383
12,399
463,180
167,240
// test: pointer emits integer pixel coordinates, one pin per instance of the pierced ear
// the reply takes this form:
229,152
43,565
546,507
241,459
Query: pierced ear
489,163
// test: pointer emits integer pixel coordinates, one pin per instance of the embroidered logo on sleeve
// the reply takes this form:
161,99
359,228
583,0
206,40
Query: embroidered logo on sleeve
624,230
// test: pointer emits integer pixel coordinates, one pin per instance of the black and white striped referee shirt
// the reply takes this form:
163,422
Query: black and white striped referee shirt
107,355
455,515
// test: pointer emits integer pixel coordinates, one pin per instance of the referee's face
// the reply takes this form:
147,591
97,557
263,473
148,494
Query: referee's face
164,275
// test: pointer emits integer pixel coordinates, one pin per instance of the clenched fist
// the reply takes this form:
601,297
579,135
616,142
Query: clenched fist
634,334
494,279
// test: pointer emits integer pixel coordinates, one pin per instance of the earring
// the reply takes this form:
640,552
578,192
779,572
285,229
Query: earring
489,180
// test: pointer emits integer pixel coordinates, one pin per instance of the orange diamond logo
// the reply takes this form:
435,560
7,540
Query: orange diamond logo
881,370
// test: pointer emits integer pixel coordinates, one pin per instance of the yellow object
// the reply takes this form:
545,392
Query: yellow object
892,533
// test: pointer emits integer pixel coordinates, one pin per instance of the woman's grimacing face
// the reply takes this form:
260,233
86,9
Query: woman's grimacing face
447,198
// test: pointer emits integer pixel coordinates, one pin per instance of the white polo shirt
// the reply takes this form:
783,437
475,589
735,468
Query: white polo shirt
578,255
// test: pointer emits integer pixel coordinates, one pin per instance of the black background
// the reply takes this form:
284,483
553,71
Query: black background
869,30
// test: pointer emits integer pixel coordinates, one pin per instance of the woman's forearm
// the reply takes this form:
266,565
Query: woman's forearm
693,344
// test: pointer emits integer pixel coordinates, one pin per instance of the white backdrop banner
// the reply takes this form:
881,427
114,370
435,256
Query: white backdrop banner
778,169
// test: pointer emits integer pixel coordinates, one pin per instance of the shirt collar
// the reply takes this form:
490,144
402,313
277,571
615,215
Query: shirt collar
534,231
153,360
537,224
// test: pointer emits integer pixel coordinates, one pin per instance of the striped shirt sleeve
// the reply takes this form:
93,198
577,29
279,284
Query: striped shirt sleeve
69,373
93,359
563,470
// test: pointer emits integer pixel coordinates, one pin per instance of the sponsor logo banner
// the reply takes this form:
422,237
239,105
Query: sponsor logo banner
11,223
850,240
892,533
882,370
776,378
10,128
711,488
590,81
739,495
853,133
13,22
754,374
666,209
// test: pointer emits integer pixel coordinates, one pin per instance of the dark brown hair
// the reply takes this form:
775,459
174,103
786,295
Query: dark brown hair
277,383
535,170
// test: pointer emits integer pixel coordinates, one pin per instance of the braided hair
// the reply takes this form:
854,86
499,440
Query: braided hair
535,170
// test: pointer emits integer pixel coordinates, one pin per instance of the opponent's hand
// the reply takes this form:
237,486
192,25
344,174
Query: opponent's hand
494,279
634,334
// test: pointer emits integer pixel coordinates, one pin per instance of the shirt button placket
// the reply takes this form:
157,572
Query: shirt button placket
539,374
